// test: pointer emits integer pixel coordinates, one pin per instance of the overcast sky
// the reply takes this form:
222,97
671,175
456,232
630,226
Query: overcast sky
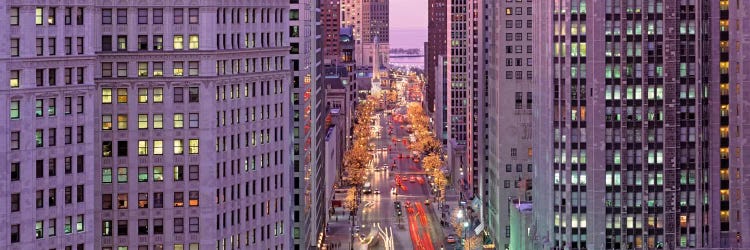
408,14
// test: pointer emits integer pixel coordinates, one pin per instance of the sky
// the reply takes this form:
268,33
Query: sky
408,14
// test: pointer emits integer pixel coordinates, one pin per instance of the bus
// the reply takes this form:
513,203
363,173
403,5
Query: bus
367,188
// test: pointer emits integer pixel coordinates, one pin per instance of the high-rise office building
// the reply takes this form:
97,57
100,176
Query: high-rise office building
368,20
48,175
466,95
436,46
173,130
509,142
330,15
308,114
638,111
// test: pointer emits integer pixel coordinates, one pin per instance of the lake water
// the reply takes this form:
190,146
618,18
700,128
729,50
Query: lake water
408,39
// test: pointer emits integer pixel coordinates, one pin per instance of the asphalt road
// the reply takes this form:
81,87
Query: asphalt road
379,208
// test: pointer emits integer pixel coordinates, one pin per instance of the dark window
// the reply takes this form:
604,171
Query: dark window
122,148
107,43
122,16
106,16
178,15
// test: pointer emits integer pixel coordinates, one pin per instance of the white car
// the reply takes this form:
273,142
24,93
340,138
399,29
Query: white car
376,191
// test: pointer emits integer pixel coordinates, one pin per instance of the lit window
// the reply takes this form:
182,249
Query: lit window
106,122
178,147
122,95
178,120
106,95
122,201
15,110
142,121
158,173
158,147
158,121
193,144
158,69
194,41
158,95
39,20
15,77
177,42
122,121
177,68
122,175
179,199
178,173
142,95
79,223
194,197
142,69
68,227
142,147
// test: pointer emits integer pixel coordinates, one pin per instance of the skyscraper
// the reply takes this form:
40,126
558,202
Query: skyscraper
638,116
509,113
436,45
466,93
172,133
308,114
331,20
368,19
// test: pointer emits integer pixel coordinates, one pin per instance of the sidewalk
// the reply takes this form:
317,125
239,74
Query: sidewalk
339,232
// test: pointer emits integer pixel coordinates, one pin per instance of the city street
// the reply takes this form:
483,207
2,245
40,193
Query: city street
395,176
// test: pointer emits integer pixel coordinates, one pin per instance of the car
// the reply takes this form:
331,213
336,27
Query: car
412,179
376,191
450,239
404,178
427,202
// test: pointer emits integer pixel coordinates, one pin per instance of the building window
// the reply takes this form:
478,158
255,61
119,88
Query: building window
194,120
40,46
178,173
122,200
122,69
179,199
106,148
158,226
106,122
179,225
158,42
193,225
122,228
142,95
193,68
177,42
107,228
142,200
106,16
178,147
193,16
142,16
142,121
15,233
158,70
15,107
39,14
106,44
193,172
158,94
15,76
193,95
14,47
14,12
122,122
194,197
508,167
178,15
142,147
177,68
193,42
107,176
79,223
158,147
122,43
178,120
122,16
158,121
142,42
193,145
